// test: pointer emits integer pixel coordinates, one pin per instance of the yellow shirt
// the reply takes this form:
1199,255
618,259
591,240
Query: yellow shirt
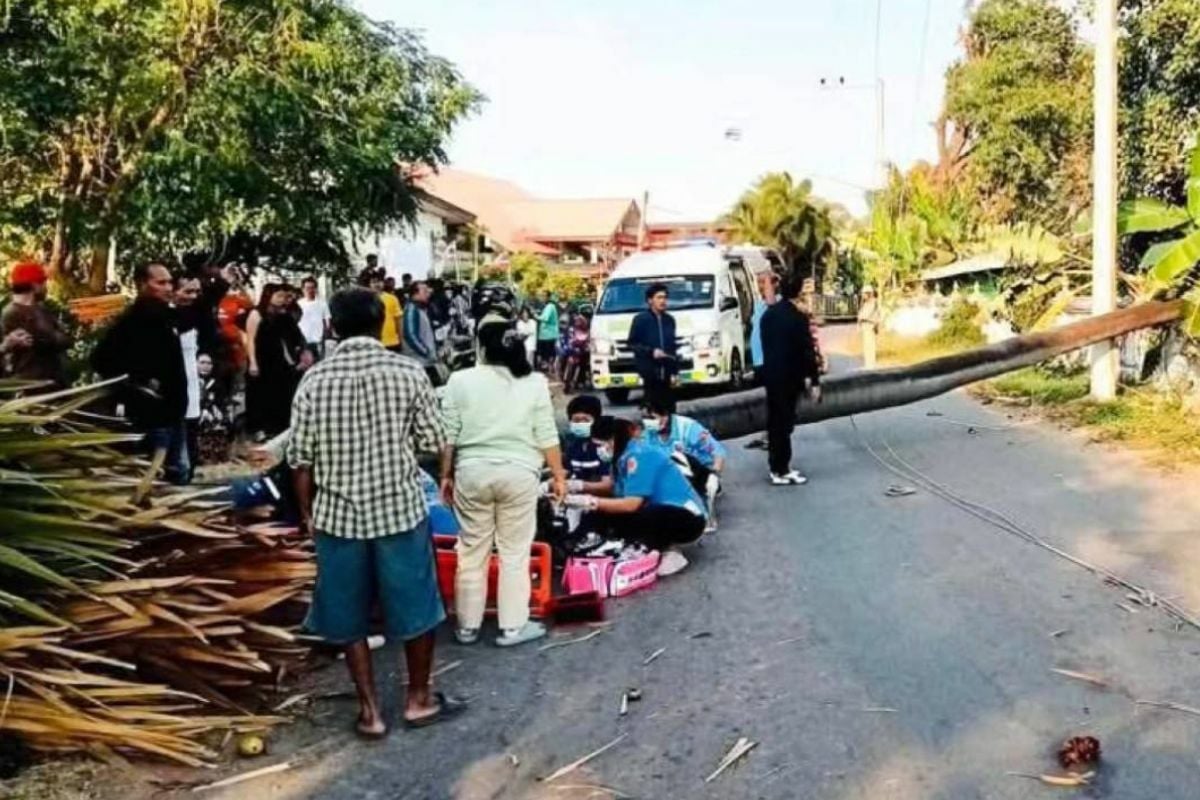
390,335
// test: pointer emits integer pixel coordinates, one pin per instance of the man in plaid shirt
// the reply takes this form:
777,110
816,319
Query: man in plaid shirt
358,419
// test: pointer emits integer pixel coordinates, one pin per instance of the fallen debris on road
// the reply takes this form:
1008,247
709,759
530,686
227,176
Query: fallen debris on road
735,754
1169,705
1082,676
1083,779
576,640
651,658
245,776
1079,751
579,762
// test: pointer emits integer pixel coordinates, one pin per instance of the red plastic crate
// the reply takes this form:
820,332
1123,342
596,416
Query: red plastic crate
541,595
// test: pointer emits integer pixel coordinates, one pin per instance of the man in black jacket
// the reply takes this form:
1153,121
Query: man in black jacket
143,344
652,340
790,366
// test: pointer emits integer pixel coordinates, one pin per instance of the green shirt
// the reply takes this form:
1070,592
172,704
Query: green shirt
548,322
490,416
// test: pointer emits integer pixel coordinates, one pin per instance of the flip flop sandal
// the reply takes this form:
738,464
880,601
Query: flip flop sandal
446,709
899,491
369,736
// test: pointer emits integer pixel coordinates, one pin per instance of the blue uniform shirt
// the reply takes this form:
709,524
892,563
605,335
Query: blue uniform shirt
582,461
650,474
756,349
688,437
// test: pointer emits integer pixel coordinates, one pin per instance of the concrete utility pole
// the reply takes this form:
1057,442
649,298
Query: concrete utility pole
1105,365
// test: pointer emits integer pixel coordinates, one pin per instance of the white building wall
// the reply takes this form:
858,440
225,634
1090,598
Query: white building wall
407,249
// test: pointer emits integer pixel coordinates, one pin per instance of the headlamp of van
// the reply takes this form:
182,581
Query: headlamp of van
707,341
602,347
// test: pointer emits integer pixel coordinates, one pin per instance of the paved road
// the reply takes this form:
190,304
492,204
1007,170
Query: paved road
874,647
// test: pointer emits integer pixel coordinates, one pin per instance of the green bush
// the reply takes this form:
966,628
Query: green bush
960,327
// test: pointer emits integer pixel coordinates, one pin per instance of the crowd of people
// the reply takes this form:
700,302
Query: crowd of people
350,394
631,487
205,363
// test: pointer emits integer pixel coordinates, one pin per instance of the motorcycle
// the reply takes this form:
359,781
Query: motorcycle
577,369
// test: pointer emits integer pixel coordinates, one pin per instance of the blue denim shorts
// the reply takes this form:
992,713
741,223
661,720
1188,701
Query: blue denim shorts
398,572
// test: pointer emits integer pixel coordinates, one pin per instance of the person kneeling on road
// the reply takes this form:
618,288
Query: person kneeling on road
684,438
582,462
652,504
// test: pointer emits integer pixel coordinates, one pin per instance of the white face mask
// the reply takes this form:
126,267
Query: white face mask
652,424
604,453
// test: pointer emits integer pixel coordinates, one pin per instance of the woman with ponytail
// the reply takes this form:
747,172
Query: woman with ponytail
501,431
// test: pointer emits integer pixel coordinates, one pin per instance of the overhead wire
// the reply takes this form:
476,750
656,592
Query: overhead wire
1002,521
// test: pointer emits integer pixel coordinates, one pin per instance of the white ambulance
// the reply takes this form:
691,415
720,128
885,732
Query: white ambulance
712,290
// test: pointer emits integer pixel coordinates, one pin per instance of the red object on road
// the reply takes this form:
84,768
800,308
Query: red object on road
541,595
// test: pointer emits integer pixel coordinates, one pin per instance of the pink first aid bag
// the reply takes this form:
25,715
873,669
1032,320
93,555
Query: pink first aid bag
582,575
633,575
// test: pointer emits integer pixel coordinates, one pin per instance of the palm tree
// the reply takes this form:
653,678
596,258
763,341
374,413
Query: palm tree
779,213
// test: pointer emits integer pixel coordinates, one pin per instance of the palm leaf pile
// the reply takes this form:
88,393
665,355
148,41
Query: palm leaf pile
134,627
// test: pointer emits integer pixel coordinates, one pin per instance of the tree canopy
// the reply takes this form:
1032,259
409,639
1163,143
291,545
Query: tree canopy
284,127
1160,95
780,213
1018,97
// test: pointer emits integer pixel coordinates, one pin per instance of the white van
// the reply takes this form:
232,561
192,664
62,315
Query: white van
712,291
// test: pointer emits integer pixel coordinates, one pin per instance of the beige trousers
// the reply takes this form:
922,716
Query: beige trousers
497,508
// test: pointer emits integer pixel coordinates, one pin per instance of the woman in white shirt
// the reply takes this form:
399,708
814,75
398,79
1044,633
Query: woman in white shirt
527,327
500,431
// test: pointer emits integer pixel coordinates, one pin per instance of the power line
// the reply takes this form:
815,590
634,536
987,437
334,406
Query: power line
920,70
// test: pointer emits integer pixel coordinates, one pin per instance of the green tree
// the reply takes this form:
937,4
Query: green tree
916,221
1160,95
779,213
171,125
1018,103
1170,264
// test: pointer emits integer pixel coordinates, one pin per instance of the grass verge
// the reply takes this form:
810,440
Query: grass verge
1159,424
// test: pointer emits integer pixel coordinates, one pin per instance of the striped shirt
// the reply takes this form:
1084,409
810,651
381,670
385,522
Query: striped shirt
358,420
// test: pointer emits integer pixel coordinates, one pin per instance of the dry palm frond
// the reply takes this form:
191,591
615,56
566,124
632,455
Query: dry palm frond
121,593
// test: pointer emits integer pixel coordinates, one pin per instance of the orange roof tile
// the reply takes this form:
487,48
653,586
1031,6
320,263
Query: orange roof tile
516,220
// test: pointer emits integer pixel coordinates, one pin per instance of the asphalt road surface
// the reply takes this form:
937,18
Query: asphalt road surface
872,646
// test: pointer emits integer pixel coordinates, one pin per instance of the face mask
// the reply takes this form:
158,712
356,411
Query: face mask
581,429
604,453
652,424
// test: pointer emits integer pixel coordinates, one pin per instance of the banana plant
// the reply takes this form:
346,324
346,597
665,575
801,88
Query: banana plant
1168,263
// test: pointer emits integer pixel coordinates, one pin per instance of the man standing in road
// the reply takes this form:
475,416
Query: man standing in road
790,366
419,340
768,289
143,344
547,334
358,420
652,340
40,355
314,316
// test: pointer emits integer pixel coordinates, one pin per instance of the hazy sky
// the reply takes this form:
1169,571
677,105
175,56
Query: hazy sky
591,98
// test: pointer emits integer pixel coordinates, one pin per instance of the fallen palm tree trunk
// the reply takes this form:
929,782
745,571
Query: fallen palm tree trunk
743,413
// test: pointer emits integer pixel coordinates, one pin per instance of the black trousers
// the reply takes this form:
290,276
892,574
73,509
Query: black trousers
657,527
700,475
658,387
781,420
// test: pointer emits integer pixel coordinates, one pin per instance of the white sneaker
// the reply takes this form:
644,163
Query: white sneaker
671,563
779,480
532,631
795,478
